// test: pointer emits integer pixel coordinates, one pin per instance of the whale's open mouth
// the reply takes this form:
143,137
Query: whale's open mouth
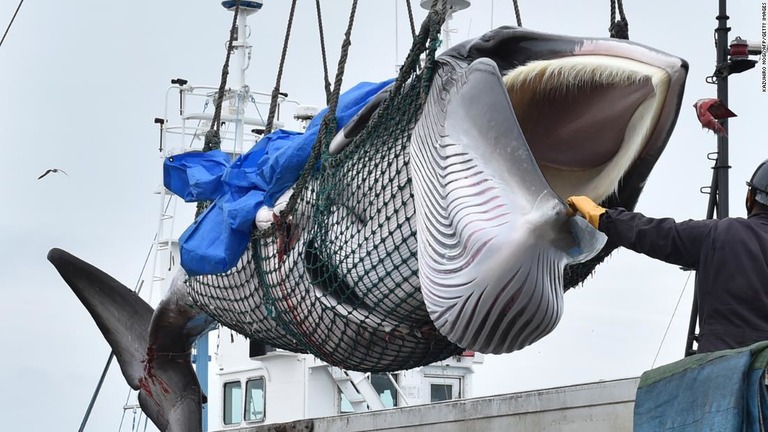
586,118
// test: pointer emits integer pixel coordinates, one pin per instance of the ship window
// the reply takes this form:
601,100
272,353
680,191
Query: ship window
385,388
233,402
444,388
254,399
440,392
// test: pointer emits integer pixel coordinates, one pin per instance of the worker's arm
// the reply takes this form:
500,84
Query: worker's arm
673,242
664,239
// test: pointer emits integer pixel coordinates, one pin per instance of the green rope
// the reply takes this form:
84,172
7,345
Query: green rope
437,19
276,91
428,35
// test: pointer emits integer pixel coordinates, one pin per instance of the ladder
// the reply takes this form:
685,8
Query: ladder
165,247
357,388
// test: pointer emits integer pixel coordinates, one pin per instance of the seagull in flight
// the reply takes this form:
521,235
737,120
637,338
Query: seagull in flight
53,170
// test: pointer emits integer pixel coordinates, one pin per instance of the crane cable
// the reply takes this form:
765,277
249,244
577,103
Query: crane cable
327,81
517,13
213,136
410,19
619,29
276,91
215,121
13,18
674,312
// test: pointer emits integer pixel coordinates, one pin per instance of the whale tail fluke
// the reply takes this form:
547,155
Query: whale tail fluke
157,364
121,315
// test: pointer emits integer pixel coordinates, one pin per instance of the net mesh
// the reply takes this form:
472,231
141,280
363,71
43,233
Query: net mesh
337,273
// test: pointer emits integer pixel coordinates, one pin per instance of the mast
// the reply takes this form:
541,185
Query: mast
731,59
242,51
243,54
722,167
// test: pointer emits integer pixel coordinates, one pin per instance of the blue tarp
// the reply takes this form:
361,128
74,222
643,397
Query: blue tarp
722,391
217,239
196,176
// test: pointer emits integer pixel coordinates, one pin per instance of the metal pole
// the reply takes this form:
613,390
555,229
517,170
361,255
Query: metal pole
718,198
722,94
201,367
96,392
243,93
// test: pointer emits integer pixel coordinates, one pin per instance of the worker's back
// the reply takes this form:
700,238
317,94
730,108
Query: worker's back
733,284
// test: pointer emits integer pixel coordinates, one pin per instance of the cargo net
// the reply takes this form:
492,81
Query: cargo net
337,273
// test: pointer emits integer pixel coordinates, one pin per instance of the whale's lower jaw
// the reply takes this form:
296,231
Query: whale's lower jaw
497,316
489,268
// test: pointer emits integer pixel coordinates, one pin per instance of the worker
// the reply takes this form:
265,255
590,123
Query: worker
730,256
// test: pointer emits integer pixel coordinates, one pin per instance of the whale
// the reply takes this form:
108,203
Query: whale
456,238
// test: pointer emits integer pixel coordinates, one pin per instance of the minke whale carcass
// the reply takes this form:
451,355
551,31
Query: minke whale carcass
457,237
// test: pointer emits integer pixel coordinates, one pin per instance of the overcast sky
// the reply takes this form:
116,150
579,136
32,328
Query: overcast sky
81,82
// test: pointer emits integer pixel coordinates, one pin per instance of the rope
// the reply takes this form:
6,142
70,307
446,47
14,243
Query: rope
437,18
517,14
427,40
213,137
216,121
674,312
618,29
342,62
322,51
430,30
13,18
328,125
276,90
410,18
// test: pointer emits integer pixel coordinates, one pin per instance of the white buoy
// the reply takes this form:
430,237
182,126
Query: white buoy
282,202
264,218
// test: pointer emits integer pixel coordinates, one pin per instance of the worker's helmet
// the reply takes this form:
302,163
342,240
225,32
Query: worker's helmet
759,183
